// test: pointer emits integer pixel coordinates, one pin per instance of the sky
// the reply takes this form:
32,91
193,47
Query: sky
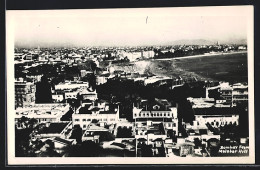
123,27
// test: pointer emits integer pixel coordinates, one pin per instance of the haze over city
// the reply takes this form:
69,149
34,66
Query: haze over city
133,27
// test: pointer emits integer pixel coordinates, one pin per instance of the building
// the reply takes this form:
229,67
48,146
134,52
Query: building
61,143
92,133
226,92
233,94
84,73
150,116
161,80
216,116
239,94
101,111
58,96
200,132
54,130
207,102
147,54
24,93
71,94
68,85
43,113
103,78
214,112
88,94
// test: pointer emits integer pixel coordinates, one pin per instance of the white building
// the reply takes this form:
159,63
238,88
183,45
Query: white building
216,116
103,112
103,78
88,94
71,94
55,129
214,112
43,113
159,111
239,94
58,96
72,85
155,79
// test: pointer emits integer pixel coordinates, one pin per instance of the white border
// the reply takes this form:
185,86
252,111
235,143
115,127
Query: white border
222,11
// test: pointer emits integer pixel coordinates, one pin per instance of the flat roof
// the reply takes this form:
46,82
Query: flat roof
53,128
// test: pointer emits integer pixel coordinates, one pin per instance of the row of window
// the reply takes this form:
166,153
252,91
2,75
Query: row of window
70,96
88,120
46,120
171,125
153,114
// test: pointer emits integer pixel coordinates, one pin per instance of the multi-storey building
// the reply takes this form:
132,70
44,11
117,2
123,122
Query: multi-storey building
72,85
226,92
101,111
24,93
147,114
232,94
88,94
208,110
43,113
239,94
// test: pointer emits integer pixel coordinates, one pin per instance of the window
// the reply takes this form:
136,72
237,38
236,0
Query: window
84,126
88,119
168,114
174,124
76,120
135,114
112,119
169,124
84,120
104,119
140,114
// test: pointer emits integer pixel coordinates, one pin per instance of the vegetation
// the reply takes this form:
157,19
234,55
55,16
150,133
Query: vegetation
77,133
124,132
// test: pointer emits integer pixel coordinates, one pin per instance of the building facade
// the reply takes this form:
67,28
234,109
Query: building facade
102,112
24,93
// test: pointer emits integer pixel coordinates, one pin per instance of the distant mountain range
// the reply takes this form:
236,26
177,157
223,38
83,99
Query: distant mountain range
207,42
175,42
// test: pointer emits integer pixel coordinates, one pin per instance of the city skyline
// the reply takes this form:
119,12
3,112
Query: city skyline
128,27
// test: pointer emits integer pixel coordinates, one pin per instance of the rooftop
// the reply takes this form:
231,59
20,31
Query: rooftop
63,141
53,128
157,105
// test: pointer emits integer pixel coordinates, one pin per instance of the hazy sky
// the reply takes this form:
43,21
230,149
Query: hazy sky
143,26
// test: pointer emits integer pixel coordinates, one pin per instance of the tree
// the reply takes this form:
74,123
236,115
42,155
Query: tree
77,133
43,91
93,66
106,136
32,123
86,149
146,150
197,142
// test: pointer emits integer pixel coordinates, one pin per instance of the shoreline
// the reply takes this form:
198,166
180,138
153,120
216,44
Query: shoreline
202,55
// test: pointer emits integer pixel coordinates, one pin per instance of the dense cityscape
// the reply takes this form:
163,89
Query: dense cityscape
104,101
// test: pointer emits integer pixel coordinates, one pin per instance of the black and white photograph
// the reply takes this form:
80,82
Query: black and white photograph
168,85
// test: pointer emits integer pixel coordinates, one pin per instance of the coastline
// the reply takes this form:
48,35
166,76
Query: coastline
202,55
